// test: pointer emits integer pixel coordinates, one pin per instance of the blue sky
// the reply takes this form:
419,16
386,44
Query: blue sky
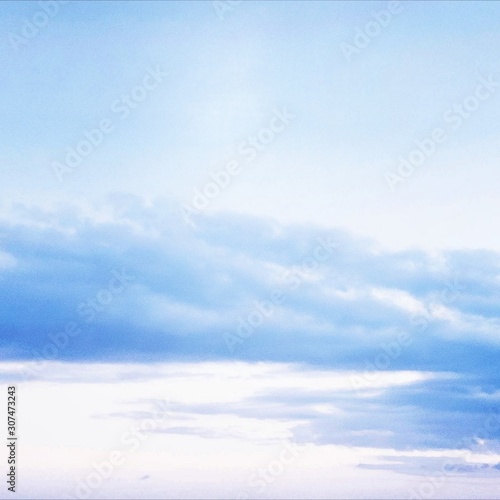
370,308
227,76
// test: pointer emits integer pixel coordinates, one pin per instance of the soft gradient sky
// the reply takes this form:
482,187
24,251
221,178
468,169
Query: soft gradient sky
225,76
376,314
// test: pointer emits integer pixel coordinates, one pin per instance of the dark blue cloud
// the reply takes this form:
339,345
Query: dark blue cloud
189,286
131,281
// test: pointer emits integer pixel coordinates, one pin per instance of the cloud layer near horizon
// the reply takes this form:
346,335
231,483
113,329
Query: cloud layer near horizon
127,281
135,280
387,426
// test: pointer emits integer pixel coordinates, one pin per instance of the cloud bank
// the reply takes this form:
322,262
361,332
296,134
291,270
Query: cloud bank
130,281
